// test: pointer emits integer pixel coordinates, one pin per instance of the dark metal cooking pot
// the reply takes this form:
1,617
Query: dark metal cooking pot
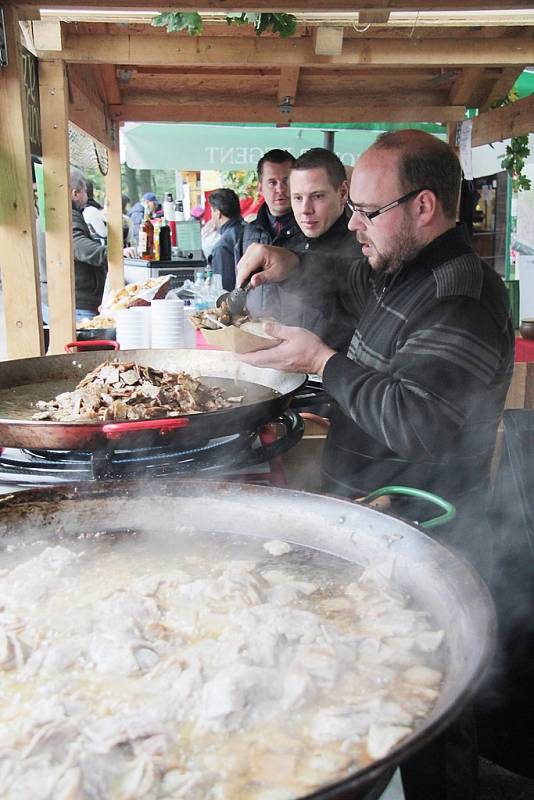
438,581
267,394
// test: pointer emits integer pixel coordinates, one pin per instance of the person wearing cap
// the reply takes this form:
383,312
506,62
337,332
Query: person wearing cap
137,213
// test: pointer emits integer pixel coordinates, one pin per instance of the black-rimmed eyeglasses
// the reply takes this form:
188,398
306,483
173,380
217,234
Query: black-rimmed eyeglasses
368,216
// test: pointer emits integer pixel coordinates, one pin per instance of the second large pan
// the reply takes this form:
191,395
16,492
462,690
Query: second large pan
267,394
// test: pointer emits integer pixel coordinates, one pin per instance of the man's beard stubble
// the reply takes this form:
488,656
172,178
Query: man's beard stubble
401,250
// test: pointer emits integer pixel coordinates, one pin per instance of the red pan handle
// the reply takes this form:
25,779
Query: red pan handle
70,347
114,430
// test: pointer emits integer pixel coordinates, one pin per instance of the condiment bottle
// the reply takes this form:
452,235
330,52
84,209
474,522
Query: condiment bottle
164,241
146,238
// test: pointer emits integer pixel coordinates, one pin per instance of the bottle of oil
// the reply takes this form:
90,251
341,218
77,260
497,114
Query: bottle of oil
146,238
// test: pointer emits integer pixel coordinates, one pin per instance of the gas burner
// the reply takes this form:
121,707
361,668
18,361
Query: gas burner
227,455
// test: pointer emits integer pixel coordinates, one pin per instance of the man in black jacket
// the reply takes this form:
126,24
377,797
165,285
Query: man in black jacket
319,190
424,382
90,256
226,214
275,223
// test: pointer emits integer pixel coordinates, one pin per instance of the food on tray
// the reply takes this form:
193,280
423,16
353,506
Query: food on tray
179,665
213,318
96,323
128,391
137,294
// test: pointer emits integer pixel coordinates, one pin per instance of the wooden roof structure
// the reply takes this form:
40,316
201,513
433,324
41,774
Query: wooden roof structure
350,61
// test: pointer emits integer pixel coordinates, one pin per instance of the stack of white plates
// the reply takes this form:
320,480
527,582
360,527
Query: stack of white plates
133,328
167,323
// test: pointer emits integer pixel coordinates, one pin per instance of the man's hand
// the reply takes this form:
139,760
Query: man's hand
272,263
130,252
299,351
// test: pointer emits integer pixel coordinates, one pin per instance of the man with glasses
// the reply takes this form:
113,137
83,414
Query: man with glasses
420,391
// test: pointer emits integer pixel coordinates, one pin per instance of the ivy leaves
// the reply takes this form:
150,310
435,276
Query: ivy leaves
178,21
516,154
283,24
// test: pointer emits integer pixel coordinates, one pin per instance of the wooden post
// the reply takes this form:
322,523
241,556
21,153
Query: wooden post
53,92
114,214
18,253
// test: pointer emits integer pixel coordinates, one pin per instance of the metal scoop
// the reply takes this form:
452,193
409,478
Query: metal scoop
237,298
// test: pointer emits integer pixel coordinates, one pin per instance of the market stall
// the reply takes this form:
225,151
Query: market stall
101,70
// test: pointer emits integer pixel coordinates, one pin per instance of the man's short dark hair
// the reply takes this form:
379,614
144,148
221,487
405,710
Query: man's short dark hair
320,157
226,201
425,161
275,156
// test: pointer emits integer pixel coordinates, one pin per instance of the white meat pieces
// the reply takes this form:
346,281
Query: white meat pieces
125,679
128,391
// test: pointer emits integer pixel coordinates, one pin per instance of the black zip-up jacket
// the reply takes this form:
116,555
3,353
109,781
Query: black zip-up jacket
424,382
260,232
90,264
314,304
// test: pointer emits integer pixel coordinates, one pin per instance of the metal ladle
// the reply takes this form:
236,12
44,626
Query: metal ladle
237,298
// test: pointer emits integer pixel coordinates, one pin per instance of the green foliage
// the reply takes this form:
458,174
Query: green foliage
283,24
517,151
179,21
244,184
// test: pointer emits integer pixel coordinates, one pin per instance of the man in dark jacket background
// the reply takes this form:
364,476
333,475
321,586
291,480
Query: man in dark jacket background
226,214
90,256
275,223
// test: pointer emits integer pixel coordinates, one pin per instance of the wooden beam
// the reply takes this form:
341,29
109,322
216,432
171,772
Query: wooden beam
166,50
354,6
53,91
465,86
501,87
18,256
87,111
237,112
111,85
114,217
516,119
288,83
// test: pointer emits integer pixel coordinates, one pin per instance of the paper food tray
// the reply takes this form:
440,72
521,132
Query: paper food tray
237,340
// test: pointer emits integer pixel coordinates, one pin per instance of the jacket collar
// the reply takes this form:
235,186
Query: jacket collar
337,230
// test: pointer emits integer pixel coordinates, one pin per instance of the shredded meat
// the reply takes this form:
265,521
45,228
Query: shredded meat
127,391
202,318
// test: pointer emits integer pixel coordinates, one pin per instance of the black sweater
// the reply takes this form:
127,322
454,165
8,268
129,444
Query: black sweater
423,385
309,298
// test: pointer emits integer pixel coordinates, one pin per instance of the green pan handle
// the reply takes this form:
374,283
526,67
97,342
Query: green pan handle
409,491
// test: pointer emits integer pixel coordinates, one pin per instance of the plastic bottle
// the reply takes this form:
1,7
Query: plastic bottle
179,215
168,207
200,304
190,338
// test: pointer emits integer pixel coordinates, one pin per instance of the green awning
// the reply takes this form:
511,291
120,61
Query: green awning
228,147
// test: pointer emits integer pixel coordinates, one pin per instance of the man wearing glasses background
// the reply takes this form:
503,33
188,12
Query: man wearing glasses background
420,391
